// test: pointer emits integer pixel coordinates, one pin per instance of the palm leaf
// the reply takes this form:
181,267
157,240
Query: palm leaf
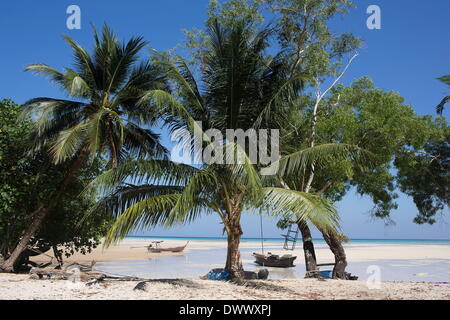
69,142
319,156
299,206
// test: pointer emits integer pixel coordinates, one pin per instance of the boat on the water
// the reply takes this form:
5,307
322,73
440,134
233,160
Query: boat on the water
155,248
272,260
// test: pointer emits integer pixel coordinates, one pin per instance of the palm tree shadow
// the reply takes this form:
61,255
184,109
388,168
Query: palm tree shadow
175,282
261,285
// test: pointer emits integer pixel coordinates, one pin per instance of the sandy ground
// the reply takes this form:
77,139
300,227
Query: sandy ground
132,249
185,289
22,287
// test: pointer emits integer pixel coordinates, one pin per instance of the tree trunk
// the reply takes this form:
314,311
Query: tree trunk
308,248
41,213
340,258
58,255
234,263
11,263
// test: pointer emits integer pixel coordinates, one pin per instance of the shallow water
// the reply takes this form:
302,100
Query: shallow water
195,263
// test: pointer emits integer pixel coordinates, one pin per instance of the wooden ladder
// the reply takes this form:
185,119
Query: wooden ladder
291,236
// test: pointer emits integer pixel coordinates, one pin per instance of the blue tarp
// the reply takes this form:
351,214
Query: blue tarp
220,276
328,274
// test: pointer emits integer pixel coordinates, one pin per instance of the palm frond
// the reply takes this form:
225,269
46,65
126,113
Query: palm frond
137,172
299,206
319,156
143,214
69,142
45,70
75,85
440,107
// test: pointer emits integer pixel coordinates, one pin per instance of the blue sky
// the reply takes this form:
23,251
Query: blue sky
406,55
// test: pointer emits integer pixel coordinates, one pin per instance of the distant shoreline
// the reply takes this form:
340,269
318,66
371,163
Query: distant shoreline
280,239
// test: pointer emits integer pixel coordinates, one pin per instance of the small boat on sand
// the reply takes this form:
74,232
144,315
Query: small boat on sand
271,260
155,248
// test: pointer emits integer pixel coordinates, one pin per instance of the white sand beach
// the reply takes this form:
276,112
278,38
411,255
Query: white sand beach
21,287
168,279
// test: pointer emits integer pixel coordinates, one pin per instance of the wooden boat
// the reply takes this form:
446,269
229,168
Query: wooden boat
155,248
271,260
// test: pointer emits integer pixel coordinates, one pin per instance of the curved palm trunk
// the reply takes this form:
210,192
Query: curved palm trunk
234,262
308,248
340,257
232,223
39,216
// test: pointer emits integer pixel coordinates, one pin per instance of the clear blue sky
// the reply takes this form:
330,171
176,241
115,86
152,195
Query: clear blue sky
406,55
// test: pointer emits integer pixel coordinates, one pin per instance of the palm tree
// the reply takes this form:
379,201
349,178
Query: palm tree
440,107
146,193
103,118
239,84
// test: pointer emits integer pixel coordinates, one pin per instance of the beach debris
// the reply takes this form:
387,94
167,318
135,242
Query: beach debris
263,274
144,285
81,267
74,272
221,274
218,275
55,274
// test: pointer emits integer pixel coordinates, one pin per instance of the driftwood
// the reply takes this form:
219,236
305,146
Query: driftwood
73,273
69,274
81,267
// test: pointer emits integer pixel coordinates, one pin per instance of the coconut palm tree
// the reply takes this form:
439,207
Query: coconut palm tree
440,107
239,84
103,117
146,193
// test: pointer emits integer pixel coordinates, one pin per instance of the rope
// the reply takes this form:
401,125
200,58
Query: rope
262,234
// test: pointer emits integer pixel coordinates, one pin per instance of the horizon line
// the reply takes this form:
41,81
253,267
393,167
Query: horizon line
280,238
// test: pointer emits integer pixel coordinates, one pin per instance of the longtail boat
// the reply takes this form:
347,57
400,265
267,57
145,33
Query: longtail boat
271,260
155,248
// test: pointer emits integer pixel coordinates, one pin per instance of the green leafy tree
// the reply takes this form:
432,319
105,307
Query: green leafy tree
316,54
379,122
104,119
424,175
26,179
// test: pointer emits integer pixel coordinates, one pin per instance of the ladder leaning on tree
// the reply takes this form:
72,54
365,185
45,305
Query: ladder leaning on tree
290,239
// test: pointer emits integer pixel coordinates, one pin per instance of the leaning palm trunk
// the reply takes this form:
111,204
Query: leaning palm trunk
308,248
10,264
112,87
41,213
340,257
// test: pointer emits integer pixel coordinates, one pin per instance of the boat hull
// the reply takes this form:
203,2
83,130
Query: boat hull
274,261
174,249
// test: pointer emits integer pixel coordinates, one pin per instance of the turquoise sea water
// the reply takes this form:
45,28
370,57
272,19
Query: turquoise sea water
393,241
195,263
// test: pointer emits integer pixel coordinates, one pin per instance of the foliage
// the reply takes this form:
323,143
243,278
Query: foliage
380,123
104,117
237,82
425,176
28,179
